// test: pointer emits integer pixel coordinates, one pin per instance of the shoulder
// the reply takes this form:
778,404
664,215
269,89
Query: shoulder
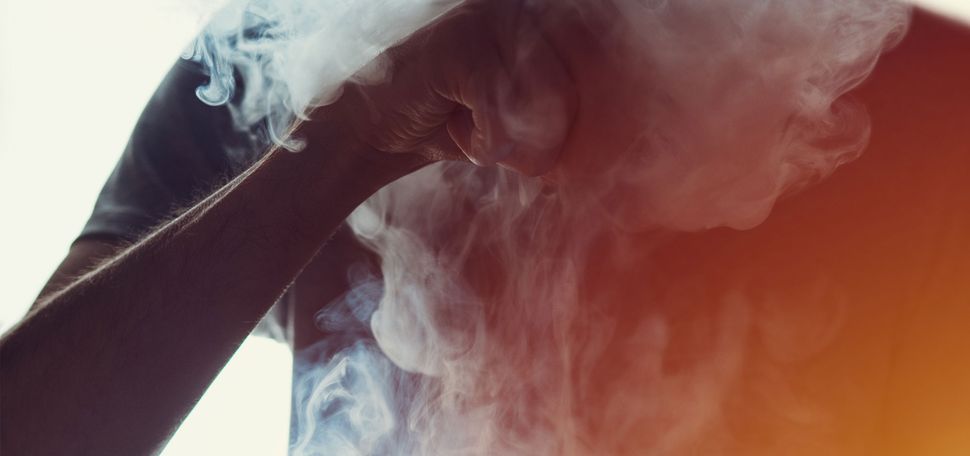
179,150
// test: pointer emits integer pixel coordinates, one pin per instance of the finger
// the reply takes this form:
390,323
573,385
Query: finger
444,144
538,111
518,93
480,89
460,126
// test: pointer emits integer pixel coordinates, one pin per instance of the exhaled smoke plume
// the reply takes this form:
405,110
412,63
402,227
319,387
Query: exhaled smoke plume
523,321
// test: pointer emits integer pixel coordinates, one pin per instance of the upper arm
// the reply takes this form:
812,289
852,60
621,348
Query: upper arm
177,151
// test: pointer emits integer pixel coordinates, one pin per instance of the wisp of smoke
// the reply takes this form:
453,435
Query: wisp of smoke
497,323
293,55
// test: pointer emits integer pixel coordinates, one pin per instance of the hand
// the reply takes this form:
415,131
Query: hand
481,83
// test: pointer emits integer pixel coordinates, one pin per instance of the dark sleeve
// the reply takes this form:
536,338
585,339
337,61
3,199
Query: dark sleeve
176,154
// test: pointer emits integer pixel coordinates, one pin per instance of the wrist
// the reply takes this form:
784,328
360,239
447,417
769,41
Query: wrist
335,172
332,139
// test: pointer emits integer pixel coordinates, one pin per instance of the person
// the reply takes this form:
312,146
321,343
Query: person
140,317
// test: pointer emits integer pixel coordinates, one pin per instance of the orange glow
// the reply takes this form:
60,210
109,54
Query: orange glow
854,294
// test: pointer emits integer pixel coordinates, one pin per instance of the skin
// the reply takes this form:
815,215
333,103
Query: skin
873,228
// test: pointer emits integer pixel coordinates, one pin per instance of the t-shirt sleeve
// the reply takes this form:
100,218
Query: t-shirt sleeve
177,152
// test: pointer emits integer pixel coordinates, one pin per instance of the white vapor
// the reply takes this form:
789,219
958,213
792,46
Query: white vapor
293,55
501,309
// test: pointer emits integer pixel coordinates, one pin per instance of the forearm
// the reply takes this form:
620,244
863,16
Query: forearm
111,364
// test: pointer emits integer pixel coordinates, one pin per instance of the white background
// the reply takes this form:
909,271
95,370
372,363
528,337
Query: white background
74,75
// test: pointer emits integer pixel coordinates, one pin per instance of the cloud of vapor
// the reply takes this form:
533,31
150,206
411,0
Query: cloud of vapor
293,55
503,324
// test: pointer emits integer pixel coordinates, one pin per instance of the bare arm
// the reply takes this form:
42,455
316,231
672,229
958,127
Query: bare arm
131,345
111,363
